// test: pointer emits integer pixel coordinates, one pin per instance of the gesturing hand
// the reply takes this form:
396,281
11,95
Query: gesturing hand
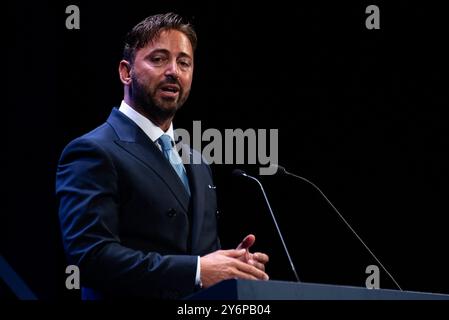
228,264
256,259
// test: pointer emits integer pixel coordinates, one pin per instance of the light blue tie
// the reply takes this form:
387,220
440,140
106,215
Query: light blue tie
166,144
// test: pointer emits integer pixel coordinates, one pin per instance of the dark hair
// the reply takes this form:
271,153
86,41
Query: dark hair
150,28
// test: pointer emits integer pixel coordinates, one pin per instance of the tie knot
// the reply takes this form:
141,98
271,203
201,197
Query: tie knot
166,142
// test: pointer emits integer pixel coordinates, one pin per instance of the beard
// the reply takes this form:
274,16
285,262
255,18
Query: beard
146,98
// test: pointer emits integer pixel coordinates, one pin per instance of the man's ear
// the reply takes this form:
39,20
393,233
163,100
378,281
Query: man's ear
124,70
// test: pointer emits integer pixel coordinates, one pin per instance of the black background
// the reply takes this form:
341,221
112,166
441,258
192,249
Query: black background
362,113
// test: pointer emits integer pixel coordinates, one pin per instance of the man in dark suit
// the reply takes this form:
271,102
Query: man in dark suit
135,218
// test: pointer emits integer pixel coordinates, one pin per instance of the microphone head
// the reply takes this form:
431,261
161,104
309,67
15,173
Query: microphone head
279,170
238,173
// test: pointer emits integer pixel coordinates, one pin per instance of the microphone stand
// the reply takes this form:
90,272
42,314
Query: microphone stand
283,171
239,172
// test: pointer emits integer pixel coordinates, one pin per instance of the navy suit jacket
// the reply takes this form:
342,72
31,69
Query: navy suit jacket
126,218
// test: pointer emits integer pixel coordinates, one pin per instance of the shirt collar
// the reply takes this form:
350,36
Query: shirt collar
150,129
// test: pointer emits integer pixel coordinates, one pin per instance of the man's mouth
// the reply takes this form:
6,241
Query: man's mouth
169,90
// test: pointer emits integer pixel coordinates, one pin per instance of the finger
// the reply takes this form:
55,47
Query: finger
247,242
244,267
242,275
256,264
261,257
234,253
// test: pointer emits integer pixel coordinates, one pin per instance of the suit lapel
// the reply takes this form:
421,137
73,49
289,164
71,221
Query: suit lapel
196,180
137,143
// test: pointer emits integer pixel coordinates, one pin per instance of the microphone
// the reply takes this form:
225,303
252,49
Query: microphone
238,173
283,172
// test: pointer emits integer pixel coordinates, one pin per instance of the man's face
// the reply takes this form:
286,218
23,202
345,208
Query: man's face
162,73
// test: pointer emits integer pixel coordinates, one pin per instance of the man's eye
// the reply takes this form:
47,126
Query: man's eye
185,63
157,59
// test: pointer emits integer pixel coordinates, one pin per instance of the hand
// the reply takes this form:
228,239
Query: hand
226,264
256,259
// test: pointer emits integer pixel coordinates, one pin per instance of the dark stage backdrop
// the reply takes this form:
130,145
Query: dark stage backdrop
362,113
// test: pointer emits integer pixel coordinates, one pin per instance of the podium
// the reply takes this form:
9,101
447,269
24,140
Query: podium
284,290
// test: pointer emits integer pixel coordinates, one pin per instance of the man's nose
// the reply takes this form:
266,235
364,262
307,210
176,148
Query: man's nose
172,70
